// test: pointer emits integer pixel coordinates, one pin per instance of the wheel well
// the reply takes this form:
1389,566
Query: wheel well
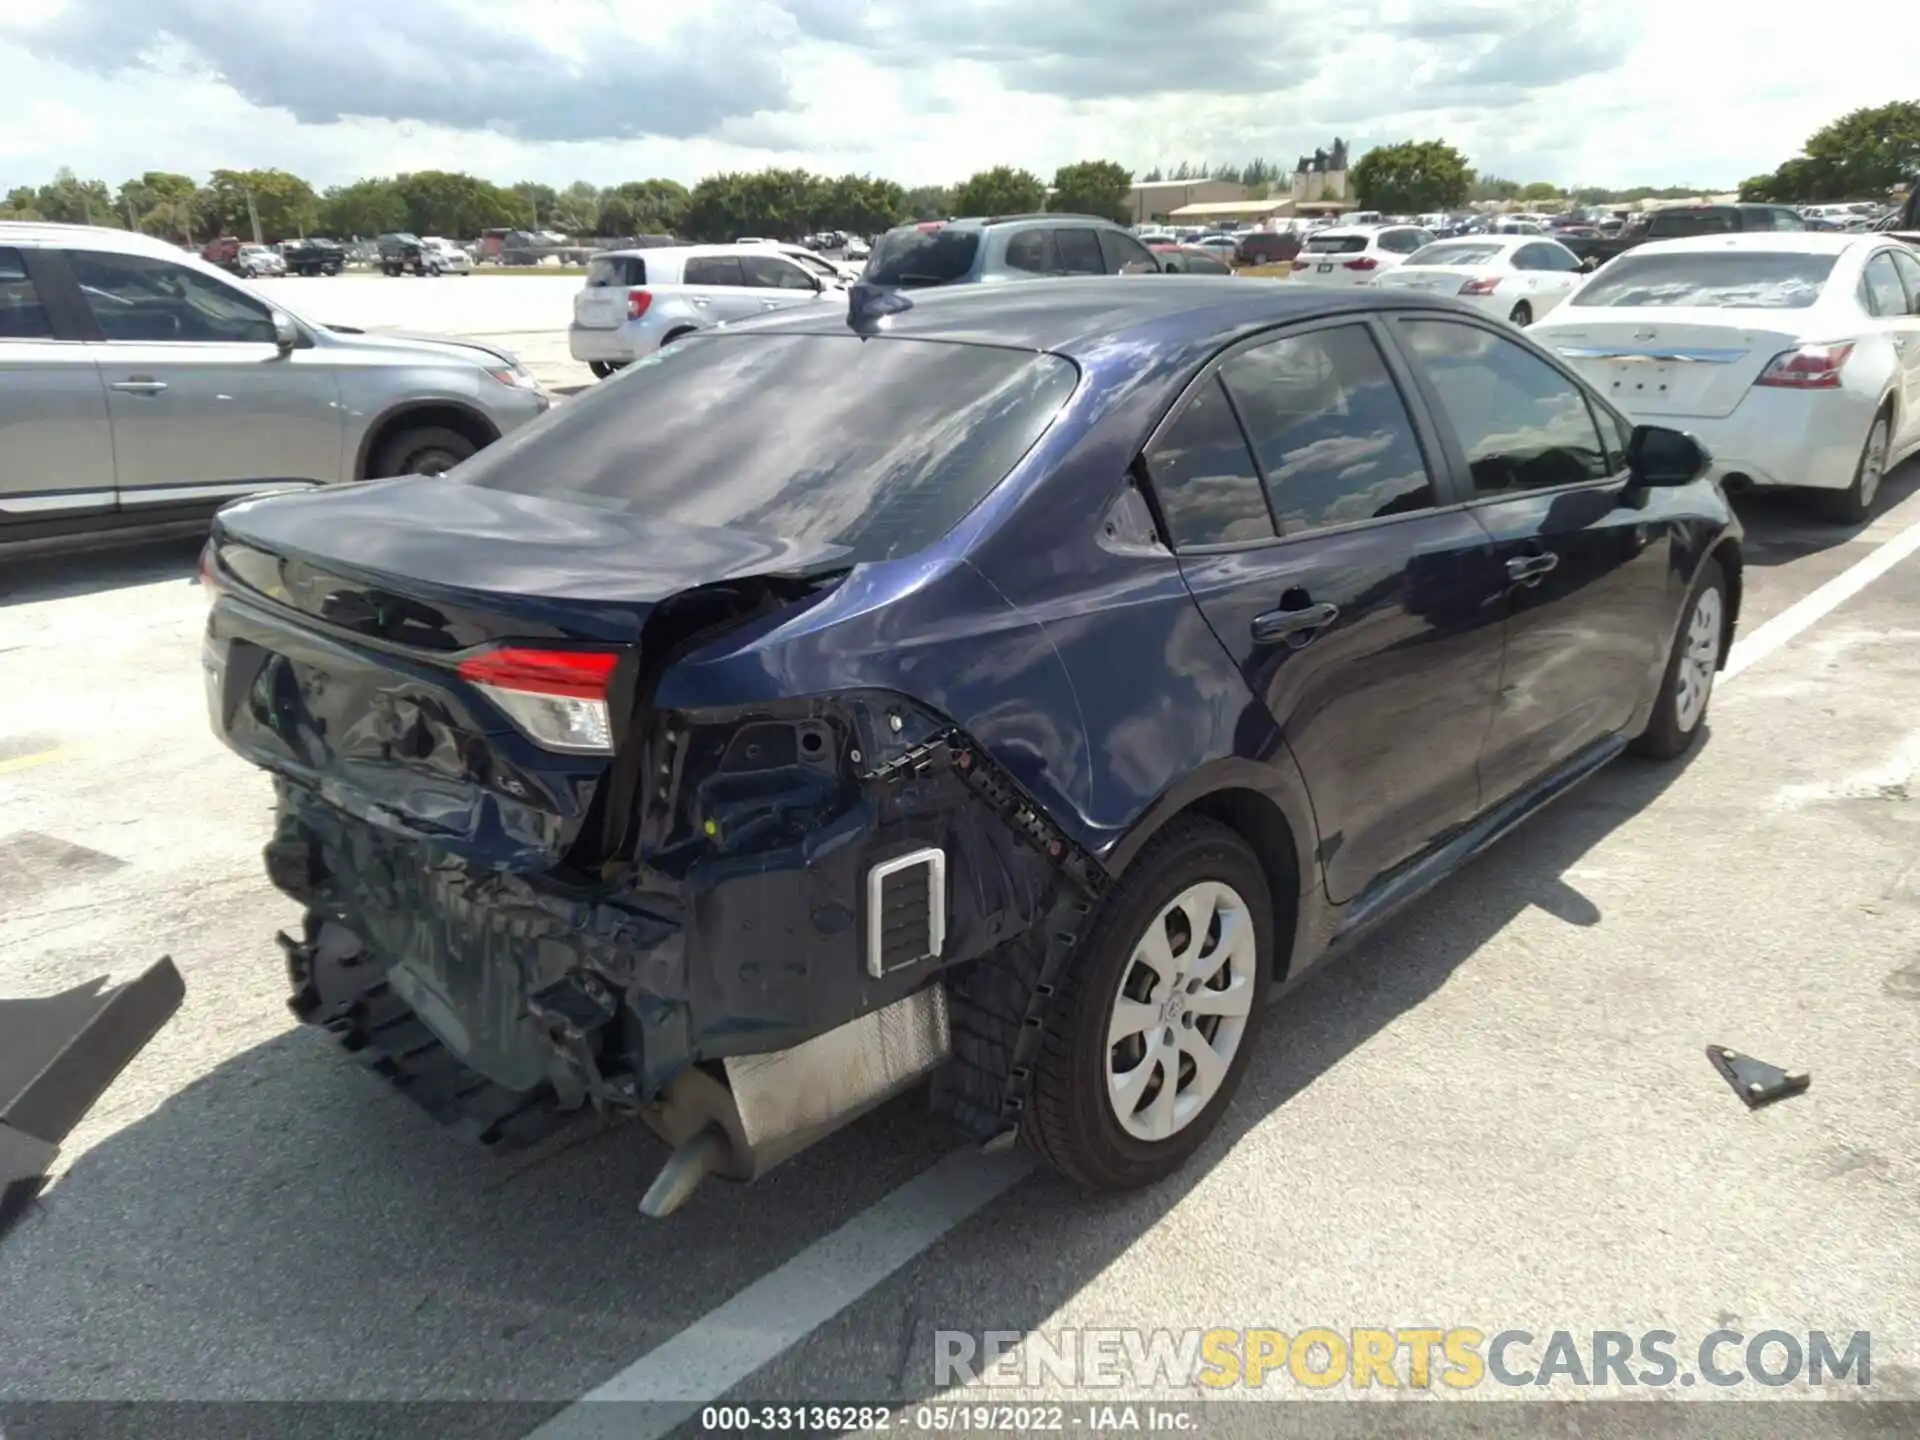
675,333
456,418
1727,552
1263,825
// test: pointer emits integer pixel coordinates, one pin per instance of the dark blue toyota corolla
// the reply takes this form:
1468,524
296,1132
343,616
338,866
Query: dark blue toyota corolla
1011,686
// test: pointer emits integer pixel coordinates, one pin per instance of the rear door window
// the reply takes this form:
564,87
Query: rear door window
22,316
1079,252
1880,289
1031,252
1335,244
878,445
1204,475
143,298
1329,428
1909,269
713,270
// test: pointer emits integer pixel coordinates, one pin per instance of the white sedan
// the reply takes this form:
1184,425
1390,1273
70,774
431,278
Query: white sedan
1517,277
1794,356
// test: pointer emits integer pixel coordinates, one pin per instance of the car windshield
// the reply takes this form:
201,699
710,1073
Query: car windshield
1721,279
879,445
1456,254
609,270
923,257
1335,244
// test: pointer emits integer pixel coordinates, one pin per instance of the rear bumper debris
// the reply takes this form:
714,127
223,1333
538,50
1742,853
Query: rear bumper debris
58,1055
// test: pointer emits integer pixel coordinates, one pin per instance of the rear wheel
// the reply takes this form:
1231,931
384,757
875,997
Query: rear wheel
1153,1025
1687,686
1854,505
603,368
424,450
1521,314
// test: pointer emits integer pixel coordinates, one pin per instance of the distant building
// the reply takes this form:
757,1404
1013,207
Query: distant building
1229,212
1158,199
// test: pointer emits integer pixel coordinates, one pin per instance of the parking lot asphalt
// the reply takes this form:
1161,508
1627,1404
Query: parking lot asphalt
1497,1114
526,314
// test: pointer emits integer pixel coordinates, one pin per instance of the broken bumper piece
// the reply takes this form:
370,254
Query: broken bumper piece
58,1055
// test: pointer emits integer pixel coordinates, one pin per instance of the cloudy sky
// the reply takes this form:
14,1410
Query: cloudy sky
1611,92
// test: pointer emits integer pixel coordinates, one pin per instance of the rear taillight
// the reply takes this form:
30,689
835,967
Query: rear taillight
1301,264
637,303
557,697
209,573
1810,367
1365,262
925,225
1481,287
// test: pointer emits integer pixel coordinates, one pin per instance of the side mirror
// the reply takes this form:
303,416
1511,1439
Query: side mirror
1589,265
286,334
1659,457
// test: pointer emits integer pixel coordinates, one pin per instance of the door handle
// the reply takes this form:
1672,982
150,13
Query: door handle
1302,624
139,385
1529,569
769,304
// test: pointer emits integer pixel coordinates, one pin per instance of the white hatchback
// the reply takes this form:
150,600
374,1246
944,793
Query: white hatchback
1793,355
1355,254
1517,277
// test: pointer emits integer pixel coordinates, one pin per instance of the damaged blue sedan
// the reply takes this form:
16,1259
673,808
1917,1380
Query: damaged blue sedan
1011,687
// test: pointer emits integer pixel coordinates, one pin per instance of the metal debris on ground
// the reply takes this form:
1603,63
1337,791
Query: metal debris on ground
1755,1081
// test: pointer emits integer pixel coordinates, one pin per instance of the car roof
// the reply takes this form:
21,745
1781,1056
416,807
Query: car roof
94,237
1808,242
690,252
1074,315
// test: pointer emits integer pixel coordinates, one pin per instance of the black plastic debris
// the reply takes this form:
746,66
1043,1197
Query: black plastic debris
58,1055
1755,1081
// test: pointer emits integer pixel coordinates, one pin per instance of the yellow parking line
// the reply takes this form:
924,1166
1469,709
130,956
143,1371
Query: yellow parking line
42,757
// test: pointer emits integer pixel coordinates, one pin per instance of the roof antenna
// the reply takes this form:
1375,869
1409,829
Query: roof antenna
868,307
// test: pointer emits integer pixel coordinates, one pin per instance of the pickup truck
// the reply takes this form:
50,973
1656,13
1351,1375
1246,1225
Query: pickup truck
400,253
314,256
1675,222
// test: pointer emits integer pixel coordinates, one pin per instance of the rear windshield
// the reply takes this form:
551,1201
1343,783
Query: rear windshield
1677,223
1749,280
923,257
1334,244
1456,254
615,270
876,444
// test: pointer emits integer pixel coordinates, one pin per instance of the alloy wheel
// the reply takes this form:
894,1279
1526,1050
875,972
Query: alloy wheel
1181,1011
1873,463
1699,660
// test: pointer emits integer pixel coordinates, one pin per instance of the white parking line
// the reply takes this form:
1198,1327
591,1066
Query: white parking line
1767,638
729,1343
784,1306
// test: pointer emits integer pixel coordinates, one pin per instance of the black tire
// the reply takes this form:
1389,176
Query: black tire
603,368
1854,505
1070,1122
422,450
1521,314
1670,733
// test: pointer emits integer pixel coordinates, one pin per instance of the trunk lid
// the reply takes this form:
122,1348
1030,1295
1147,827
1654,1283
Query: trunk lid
600,308
1432,279
1650,363
341,619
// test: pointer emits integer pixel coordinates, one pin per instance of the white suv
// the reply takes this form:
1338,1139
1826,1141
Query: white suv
1356,254
635,301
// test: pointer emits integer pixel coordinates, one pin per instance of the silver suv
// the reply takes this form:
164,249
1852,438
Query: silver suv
635,301
141,388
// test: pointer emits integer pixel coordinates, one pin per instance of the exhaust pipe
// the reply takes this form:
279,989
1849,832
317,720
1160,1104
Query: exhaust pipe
58,1055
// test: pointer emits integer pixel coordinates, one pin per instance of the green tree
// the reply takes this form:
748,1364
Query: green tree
1003,190
642,207
1093,187
22,203
69,200
1492,187
928,202
452,203
576,210
537,202
1866,153
364,208
1541,190
1414,176
778,204
286,204
161,203
861,204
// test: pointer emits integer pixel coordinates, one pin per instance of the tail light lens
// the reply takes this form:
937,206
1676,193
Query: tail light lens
637,303
1481,287
1810,367
1365,262
209,573
1301,264
557,697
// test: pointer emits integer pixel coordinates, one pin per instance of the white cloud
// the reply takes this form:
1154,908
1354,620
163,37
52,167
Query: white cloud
1630,91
